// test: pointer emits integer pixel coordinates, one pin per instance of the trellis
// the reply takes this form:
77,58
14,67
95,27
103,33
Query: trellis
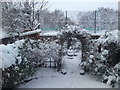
83,35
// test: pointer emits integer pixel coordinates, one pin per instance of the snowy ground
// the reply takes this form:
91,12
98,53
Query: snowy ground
50,78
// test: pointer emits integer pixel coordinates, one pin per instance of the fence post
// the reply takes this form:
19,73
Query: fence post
95,22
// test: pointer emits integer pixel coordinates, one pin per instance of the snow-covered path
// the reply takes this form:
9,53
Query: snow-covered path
72,65
50,78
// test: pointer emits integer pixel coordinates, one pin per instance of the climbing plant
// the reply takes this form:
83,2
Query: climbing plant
81,34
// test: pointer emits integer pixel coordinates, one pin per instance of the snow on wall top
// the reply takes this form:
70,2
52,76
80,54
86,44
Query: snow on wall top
30,32
4,35
50,33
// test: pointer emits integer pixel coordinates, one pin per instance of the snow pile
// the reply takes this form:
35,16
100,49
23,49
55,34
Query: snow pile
10,53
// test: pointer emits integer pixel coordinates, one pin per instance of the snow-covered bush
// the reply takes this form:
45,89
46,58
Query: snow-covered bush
102,70
109,42
74,30
104,60
10,53
22,58
39,51
15,67
9,57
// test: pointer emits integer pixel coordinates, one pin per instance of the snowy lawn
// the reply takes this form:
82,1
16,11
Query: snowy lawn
50,78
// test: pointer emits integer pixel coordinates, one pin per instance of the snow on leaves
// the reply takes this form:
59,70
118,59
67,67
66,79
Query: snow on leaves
81,34
10,53
106,39
102,62
75,30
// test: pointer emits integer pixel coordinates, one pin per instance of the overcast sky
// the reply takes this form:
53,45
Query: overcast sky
74,6
81,5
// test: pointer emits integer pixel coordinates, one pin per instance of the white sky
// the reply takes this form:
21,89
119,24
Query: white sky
84,0
77,5
81,5
74,6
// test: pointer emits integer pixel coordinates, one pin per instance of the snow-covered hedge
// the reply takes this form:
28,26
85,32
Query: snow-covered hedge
106,39
41,51
104,60
10,53
14,67
21,58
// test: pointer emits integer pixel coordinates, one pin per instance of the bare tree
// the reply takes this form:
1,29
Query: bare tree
17,16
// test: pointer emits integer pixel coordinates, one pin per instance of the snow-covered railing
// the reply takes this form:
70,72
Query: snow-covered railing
50,33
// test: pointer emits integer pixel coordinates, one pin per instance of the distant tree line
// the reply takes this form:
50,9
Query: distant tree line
106,19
